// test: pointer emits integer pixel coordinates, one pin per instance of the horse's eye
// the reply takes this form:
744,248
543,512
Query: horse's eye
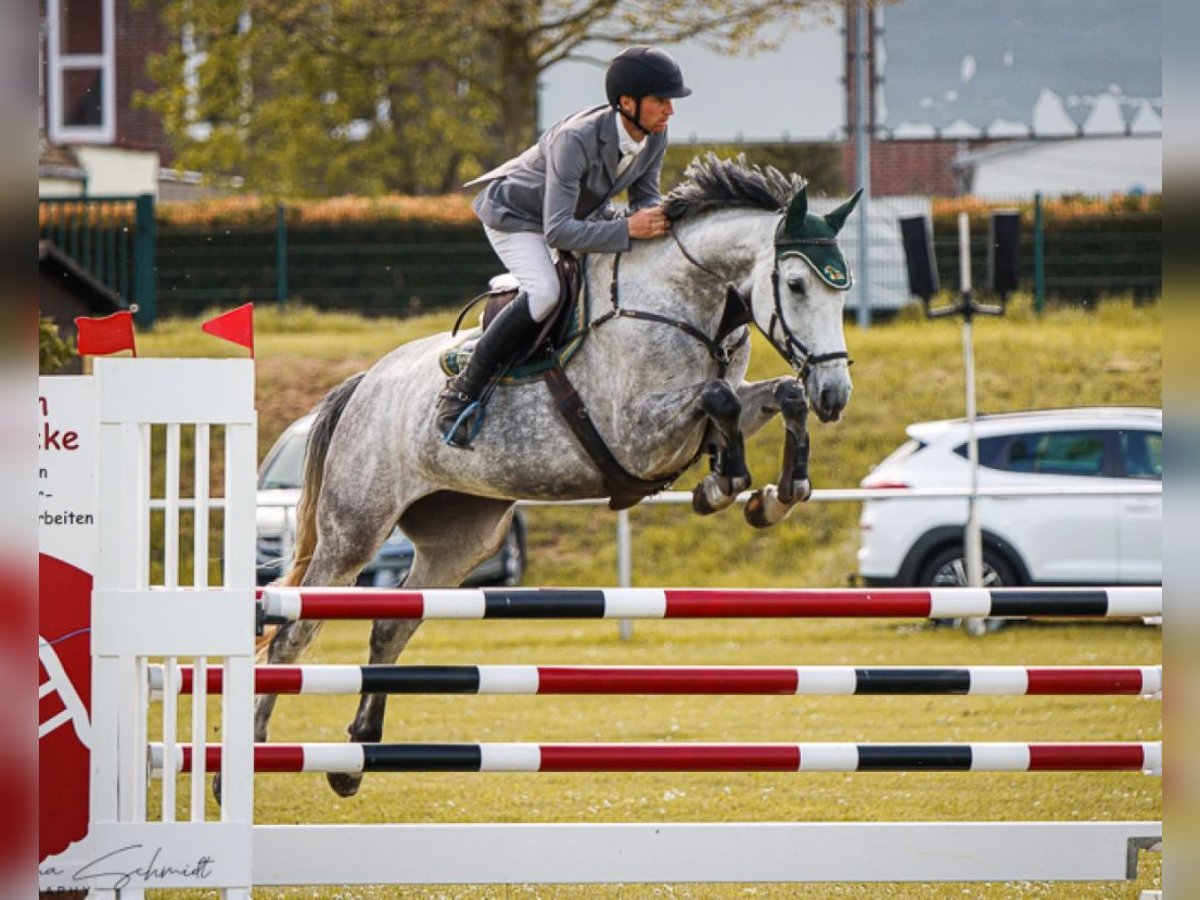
797,285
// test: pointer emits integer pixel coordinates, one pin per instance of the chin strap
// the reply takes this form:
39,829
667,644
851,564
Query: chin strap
636,118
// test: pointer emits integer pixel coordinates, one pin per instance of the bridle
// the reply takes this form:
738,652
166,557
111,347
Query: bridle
794,350
788,344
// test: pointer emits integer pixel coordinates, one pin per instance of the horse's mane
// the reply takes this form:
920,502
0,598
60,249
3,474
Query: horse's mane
712,183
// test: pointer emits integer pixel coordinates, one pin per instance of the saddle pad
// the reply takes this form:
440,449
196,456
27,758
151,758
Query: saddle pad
454,358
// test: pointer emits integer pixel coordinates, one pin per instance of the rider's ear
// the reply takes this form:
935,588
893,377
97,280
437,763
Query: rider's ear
837,218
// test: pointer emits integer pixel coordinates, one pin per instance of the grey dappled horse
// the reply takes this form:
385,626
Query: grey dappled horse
375,459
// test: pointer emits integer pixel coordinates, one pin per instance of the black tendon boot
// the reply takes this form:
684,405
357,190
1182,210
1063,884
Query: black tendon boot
496,347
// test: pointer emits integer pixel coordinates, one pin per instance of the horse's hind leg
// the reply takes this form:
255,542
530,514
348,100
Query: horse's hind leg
726,449
451,533
290,641
388,638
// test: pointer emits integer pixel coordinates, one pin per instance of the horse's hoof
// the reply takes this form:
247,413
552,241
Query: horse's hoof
343,784
756,512
801,490
216,788
765,509
709,497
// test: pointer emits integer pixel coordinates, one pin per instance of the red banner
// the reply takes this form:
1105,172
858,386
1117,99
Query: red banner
110,334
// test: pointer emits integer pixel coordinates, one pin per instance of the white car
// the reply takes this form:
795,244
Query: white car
1051,540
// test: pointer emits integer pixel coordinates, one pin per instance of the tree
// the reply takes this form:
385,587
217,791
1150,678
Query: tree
311,97
321,97
53,351
533,35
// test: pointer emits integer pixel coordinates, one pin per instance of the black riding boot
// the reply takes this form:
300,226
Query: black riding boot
496,347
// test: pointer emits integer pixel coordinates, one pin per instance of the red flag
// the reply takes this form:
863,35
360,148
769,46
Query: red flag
236,326
110,334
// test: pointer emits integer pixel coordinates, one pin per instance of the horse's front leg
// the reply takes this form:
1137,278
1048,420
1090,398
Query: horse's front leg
786,396
727,450
661,434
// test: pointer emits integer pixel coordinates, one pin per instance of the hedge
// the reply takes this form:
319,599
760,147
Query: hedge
394,255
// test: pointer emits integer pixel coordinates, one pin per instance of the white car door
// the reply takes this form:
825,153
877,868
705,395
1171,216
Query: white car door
1066,539
1140,517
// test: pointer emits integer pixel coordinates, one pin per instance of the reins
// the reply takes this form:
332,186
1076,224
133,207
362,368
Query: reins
720,353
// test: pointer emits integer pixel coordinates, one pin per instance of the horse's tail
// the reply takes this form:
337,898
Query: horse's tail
329,413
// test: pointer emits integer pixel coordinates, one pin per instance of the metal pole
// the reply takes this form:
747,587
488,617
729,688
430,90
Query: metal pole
863,34
973,537
281,273
624,566
145,263
1039,256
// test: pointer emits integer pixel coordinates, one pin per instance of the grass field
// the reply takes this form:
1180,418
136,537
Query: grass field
906,370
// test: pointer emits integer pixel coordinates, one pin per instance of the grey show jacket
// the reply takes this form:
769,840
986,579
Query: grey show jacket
561,186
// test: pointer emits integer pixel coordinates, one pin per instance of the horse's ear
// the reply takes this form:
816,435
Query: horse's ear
797,212
837,218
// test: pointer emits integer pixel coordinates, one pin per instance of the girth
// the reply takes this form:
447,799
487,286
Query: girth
624,489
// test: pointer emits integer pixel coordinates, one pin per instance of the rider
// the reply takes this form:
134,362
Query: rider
556,195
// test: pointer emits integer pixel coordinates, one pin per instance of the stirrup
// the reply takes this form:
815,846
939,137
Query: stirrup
449,437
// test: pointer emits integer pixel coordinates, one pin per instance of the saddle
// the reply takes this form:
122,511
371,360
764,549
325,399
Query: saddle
559,338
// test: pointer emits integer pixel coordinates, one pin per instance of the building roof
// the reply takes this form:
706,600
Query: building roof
58,162
97,296
1021,68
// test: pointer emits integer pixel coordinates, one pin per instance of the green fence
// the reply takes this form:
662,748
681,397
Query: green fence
1082,263
398,268
380,269
112,239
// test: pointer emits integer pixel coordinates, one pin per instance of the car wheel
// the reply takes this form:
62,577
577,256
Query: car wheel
513,555
948,568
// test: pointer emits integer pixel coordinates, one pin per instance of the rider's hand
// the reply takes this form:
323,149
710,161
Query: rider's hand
648,223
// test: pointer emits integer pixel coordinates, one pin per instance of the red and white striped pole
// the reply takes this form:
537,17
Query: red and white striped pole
808,757
713,680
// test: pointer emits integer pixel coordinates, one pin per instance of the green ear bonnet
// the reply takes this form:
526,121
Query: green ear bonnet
813,238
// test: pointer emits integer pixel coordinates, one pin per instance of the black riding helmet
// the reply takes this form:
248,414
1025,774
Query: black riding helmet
643,72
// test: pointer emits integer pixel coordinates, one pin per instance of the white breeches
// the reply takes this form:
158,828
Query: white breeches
527,256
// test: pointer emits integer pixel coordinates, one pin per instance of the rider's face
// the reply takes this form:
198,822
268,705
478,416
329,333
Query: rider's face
655,112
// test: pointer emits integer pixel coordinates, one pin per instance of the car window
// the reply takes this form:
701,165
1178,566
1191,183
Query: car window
285,468
1141,452
991,451
1044,453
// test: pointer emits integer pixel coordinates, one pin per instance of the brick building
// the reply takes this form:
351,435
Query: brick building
95,139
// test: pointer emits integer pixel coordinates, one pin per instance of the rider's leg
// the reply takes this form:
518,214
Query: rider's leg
527,257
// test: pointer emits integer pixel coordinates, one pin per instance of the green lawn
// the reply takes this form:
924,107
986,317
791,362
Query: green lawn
905,371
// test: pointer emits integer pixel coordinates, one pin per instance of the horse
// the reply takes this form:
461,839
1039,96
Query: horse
660,374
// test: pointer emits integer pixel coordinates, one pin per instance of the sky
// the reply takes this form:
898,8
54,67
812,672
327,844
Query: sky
795,91
958,66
